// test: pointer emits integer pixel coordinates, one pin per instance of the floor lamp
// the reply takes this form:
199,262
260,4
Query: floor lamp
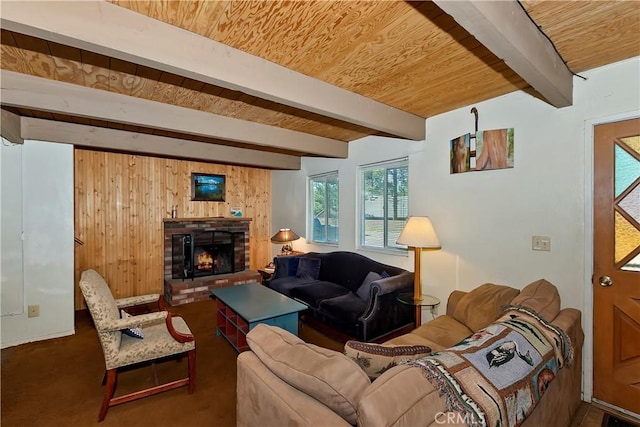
418,233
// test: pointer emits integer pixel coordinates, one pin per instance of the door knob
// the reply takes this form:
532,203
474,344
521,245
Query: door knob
605,281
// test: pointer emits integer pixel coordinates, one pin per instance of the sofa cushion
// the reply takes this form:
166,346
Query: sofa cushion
364,291
540,296
444,330
286,284
308,268
483,305
375,359
318,291
413,339
326,375
349,269
347,307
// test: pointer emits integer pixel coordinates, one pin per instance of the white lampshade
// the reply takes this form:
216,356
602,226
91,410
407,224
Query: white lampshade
419,233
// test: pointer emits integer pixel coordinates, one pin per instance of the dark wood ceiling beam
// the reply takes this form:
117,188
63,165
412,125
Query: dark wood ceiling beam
506,30
118,32
133,142
25,91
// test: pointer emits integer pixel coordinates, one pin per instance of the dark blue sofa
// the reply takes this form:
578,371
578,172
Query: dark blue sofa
346,291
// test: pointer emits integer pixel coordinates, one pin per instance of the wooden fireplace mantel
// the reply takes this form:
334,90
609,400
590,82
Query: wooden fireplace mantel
207,219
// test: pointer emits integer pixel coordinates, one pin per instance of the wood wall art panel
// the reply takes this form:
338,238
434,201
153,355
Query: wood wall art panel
121,200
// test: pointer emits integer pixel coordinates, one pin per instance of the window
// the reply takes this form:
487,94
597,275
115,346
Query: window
384,203
323,209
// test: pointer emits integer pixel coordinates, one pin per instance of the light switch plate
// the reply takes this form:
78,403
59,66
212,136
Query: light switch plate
541,243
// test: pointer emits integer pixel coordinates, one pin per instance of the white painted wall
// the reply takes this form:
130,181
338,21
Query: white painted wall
47,252
289,194
485,220
12,289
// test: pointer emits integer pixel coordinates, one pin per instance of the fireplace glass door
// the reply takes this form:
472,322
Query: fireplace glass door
205,253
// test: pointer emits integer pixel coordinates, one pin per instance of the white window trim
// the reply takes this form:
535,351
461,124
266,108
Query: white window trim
387,164
309,207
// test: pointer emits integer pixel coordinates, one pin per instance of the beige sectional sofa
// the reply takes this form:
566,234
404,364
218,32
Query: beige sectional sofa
284,381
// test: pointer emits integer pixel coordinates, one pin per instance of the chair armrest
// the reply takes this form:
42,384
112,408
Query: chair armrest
380,287
384,313
392,284
181,338
134,321
570,321
454,299
138,300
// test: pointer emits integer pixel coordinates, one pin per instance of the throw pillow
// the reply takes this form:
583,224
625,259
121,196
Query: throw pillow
285,266
326,375
540,296
308,268
292,263
365,288
132,332
375,359
480,307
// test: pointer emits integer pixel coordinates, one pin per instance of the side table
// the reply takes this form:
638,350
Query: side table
292,253
428,301
266,274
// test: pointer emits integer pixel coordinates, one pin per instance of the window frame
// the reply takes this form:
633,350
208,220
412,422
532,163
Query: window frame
362,169
310,208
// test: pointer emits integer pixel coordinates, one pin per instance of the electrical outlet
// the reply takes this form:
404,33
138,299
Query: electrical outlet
33,311
541,243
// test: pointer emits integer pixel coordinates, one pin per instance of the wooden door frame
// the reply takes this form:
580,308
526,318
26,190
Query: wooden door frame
587,313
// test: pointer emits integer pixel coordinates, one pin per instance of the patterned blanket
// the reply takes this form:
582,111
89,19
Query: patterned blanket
497,376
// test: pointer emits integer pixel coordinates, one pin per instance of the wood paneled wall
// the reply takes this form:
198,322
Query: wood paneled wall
121,199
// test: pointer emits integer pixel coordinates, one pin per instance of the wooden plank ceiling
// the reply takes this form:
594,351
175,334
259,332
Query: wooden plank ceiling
411,56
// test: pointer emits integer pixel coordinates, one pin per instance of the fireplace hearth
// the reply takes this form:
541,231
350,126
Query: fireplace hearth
206,253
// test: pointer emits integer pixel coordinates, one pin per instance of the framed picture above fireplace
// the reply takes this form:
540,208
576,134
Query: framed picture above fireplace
207,187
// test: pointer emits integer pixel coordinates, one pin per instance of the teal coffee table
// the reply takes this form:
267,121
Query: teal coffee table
240,308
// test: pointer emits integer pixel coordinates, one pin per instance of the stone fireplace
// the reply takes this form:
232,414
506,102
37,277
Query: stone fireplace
204,253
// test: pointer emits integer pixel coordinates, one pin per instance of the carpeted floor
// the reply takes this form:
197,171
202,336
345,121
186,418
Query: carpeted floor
57,382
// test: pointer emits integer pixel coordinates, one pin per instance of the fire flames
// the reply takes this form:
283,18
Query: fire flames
205,261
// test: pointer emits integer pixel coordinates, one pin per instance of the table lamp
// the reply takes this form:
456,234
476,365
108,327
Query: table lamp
419,234
285,236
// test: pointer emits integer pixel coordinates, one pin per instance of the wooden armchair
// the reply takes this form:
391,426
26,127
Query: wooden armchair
164,335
